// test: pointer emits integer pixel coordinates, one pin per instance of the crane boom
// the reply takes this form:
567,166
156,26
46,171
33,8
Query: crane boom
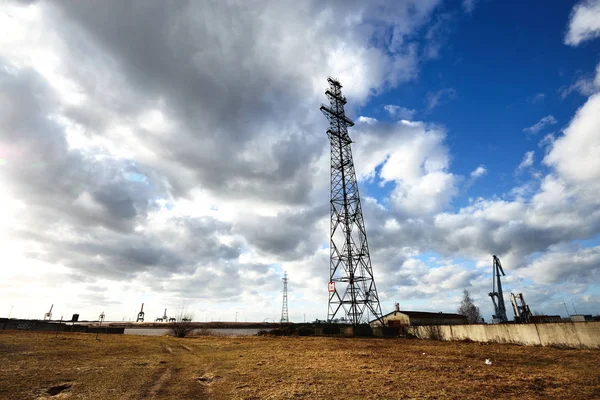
497,295
48,315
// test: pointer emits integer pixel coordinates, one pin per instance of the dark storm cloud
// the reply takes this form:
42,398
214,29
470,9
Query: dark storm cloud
181,248
287,236
90,197
222,280
242,122
219,80
50,177
238,88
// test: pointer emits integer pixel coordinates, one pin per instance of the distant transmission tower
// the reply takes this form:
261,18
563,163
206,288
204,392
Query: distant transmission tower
284,307
351,284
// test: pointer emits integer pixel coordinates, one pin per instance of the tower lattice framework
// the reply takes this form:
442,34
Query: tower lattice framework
351,283
284,307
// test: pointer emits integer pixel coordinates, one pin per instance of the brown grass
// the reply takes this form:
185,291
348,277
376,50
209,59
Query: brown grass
38,365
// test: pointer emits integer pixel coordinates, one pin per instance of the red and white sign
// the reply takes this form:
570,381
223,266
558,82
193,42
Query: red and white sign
331,287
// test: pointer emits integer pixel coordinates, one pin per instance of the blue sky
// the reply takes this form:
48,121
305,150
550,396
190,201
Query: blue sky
508,66
174,154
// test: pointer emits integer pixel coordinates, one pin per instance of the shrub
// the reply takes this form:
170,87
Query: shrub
182,327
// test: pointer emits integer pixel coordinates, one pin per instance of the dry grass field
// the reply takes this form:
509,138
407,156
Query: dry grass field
76,366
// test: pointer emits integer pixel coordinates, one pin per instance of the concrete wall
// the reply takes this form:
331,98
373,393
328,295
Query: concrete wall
564,334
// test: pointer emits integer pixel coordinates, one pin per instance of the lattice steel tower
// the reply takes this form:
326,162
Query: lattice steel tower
351,284
284,307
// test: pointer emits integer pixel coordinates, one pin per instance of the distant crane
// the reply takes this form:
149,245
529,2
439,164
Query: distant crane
48,315
164,318
140,317
499,307
521,309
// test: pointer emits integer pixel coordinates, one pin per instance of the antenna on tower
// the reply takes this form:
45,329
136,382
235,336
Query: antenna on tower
351,283
284,307
140,317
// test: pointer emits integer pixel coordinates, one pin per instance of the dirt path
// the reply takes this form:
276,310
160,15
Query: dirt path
164,376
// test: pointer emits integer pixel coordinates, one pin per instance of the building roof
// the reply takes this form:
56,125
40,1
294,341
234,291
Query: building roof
424,314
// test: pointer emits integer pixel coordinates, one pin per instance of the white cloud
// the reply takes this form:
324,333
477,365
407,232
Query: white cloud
563,207
400,112
584,23
434,99
419,279
538,97
527,161
563,265
479,171
585,86
547,140
437,35
541,124
366,120
575,154
414,157
473,176
469,5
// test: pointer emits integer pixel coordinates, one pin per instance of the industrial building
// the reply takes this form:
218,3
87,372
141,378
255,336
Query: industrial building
399,318
581,318
545,319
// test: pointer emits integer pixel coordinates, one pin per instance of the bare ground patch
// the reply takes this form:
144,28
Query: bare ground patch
133,367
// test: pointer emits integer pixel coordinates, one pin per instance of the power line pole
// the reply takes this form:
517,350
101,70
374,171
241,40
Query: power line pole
351,284
284,307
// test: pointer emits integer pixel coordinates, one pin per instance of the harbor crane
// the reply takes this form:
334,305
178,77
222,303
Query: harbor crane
164,318
140,317
48,315
520,308
496,295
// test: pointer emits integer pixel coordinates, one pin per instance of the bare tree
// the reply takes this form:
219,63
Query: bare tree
182,325
469,309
